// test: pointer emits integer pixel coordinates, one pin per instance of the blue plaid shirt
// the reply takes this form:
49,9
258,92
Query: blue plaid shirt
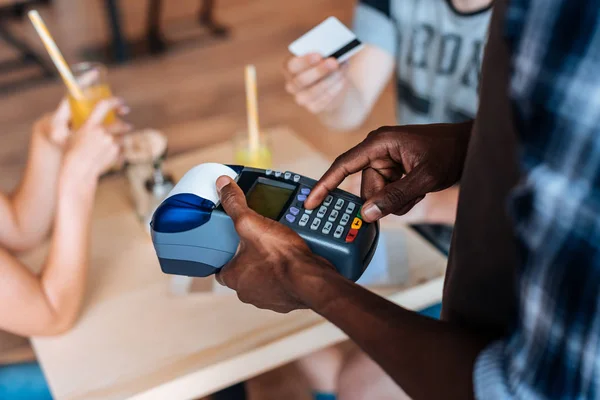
554,349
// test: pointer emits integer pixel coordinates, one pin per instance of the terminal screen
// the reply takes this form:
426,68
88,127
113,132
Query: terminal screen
268,199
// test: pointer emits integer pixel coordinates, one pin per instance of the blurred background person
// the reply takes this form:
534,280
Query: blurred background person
433,50
56,193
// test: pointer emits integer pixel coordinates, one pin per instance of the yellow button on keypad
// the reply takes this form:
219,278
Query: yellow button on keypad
356,224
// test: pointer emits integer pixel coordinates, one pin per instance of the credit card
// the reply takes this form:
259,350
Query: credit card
330,38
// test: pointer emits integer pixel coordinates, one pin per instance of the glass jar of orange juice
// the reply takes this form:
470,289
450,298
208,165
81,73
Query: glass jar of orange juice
92,79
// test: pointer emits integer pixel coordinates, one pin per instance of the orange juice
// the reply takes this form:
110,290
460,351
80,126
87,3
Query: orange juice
81,109
261,158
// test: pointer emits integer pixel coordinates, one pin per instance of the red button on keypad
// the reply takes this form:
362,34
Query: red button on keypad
351,235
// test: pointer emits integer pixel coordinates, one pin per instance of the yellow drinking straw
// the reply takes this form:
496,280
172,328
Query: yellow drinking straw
252,106
55,55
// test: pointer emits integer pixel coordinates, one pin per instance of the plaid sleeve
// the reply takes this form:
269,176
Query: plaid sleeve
554,350
373,24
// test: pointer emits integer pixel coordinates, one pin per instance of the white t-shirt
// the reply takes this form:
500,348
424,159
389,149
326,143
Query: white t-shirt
439,52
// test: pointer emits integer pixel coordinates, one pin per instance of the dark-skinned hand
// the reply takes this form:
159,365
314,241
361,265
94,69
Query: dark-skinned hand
400,165
269,257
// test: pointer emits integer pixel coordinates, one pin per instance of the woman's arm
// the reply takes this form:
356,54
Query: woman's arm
49,304
27,214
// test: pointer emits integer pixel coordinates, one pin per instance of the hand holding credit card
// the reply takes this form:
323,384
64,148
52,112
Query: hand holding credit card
329,39
315,76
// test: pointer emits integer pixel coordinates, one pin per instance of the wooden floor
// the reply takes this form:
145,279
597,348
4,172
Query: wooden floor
194,93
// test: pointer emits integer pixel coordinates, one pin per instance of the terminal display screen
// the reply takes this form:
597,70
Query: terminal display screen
268,198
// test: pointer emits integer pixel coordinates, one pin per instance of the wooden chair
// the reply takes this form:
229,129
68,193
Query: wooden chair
206,17
121,50
14,10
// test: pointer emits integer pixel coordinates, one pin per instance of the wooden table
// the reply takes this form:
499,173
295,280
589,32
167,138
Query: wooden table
135,340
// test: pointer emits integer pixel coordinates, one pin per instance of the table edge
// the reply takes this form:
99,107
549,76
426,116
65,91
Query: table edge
210,379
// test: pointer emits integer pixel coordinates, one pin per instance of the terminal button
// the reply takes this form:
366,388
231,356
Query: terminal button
301,197
294,211
288,175
345,219
268,172
322,212
357,223
338,232
305,191
304,220
315,224
339,204
277,174
308,212
334,215
296,178
327,228
351,235
350,208
328,201
290,218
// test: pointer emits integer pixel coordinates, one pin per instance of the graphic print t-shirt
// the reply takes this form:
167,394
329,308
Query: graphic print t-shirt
438,53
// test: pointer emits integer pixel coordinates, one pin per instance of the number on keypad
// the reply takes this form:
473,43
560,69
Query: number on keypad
315,224
333,216
336,223
350,208
345,219
304,220
322,212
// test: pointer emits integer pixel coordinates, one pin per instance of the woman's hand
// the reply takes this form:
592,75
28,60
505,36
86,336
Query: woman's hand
94,148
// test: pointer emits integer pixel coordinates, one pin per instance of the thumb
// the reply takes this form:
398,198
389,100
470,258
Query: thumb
232,198
398,196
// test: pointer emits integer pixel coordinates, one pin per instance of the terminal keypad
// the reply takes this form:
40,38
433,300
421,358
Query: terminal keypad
335,217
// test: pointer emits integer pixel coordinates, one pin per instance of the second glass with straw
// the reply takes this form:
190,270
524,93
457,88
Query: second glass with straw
252,149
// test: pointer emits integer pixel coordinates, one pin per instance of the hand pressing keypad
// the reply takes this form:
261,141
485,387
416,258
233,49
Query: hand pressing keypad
333,217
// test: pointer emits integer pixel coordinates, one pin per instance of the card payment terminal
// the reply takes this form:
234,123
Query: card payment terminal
193,236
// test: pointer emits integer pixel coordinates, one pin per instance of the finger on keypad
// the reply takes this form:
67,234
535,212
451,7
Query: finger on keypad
352,161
